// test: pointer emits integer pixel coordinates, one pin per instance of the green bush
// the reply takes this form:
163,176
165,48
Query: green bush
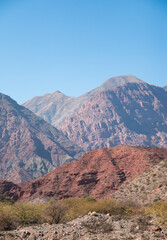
89,199
7,218
28,213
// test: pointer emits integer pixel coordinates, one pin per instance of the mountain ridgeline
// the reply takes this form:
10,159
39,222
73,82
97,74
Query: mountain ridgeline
123,110
56,107
132,114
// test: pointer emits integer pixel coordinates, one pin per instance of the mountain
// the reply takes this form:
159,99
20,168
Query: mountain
98,173
148,188
132,114
29,146
165,87
56,107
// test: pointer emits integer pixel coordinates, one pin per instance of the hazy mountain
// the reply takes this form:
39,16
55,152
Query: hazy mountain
132,114
56,107
165,87
29,146
98,173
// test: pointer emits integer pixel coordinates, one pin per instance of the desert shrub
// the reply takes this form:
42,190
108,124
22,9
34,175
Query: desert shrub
159,209
79,207
28,213
7,219
12,215
89,199
5,199
54,212
107,206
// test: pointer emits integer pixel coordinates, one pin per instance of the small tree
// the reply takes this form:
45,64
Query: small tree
55,212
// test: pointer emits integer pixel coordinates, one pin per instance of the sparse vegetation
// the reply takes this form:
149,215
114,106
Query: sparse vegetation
13,215
160,210
21,214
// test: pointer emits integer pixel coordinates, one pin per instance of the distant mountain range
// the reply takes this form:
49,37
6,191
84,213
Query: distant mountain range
29,146
98,173
56,107
123,110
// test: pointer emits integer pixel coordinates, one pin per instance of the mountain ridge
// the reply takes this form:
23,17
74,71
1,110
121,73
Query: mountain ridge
132,114
55,108
29,146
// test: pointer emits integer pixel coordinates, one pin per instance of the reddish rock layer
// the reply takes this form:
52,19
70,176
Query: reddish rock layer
98,173
10,189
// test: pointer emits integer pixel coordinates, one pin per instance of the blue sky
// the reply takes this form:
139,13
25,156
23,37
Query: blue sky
75,45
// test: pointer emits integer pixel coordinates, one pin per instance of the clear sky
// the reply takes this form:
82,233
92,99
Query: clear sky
75,45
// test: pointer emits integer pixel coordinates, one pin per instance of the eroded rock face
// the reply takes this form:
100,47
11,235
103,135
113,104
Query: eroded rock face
9,189
30,147
132,114
98,173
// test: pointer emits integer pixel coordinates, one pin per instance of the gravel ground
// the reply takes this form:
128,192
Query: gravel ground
97,227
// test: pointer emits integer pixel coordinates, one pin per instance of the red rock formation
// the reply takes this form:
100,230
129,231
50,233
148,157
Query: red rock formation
10,189
98,173
30,147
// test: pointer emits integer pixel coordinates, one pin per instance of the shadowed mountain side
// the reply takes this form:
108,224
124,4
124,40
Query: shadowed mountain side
132,114
56,107
98,173
29,146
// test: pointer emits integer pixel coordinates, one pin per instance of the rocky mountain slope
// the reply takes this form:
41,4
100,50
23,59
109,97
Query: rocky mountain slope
148,188
56,107
165,87
132,114
98,173
29,146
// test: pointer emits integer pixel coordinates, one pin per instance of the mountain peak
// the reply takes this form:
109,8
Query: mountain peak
118,81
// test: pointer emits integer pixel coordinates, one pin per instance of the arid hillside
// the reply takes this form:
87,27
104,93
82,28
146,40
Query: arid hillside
29,146
98,173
